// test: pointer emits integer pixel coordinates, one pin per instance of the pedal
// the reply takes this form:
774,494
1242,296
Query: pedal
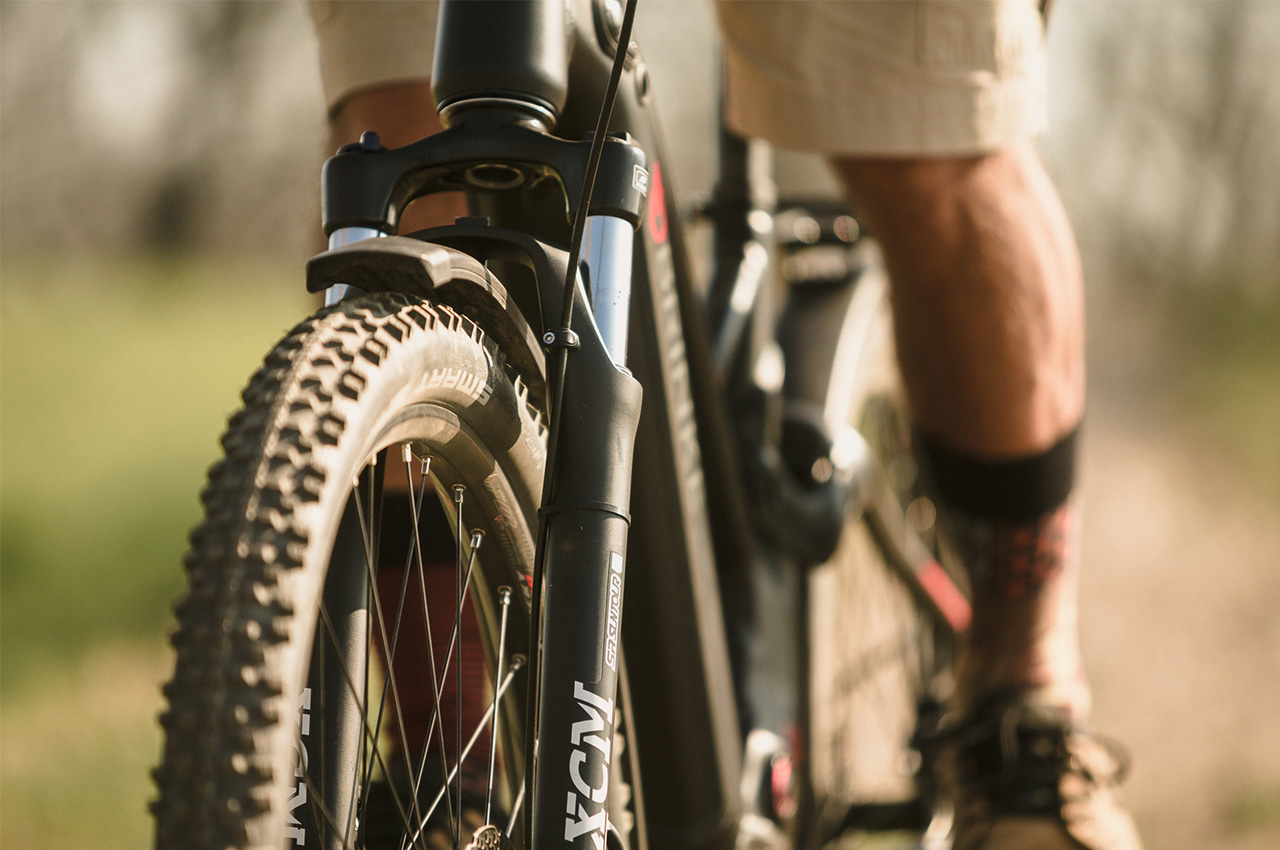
768,799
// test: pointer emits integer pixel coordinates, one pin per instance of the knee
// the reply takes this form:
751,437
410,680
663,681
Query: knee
910,176
921,186
952,196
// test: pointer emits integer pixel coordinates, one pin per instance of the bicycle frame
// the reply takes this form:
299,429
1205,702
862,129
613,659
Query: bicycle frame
687,571
673,634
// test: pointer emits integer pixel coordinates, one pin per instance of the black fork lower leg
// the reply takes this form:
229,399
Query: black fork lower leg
585,557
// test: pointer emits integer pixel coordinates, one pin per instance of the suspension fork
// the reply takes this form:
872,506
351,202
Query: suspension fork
505,75
585,519
586,523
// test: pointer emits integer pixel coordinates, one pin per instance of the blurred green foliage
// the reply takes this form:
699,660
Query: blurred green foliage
77,747
1226,385
116,378
1253,808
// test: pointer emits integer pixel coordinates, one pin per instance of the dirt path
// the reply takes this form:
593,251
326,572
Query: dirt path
1181,609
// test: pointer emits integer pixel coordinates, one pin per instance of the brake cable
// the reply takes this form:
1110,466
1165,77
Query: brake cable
564,338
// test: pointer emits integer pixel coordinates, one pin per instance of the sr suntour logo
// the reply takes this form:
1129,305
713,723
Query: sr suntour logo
613,614
592,740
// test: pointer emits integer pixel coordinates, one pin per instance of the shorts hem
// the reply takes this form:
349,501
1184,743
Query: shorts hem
964,117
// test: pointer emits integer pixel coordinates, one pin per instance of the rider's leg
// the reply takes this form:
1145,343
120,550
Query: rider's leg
375,65
987,302
987,297
988,310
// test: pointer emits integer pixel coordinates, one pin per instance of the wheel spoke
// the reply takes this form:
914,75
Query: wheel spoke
365,745
436,678
391,676
514,817
504,593
369,734
459,493
414,547
454,639
517,662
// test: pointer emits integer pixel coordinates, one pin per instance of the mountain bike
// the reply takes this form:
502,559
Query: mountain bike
405,621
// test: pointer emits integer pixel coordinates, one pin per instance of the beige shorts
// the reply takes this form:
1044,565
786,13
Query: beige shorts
867,77
889,77
366,43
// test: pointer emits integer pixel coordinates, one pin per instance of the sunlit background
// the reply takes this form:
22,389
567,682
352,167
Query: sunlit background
158,166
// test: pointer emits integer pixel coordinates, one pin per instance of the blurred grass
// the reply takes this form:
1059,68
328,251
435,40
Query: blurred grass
1253,808
116,378
77,747
1227,379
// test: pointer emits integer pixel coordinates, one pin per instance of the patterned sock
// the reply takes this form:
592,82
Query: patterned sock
1014,526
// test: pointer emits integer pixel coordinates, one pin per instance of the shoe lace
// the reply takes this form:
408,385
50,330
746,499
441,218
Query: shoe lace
1014,756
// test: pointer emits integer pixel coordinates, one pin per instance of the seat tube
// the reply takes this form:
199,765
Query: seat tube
609,242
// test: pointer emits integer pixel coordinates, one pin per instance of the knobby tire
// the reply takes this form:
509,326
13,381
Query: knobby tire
298,530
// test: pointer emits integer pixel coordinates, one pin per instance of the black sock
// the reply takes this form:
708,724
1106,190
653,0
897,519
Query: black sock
1015,489
1012,522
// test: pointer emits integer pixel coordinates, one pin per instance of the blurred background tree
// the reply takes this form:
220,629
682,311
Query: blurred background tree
134,126
158,165
197,126
1167,140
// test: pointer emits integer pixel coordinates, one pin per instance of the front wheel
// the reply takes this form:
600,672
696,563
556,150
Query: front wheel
352,647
